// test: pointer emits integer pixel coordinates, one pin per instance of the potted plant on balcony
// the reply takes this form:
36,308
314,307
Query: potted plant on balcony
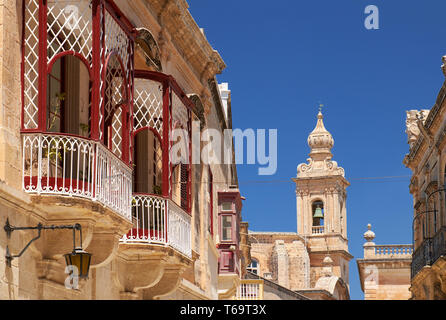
51,149
55,147
157,189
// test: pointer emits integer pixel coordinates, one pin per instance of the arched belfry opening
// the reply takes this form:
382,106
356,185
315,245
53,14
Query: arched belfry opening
317,210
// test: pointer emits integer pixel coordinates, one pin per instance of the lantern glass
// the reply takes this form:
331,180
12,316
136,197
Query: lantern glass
79,259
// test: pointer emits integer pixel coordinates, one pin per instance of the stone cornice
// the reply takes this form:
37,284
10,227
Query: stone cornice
432,117
347,255
187,37
414,150
332,178
433,120
213,87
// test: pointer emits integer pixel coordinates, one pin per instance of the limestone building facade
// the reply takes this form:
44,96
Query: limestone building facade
314,261
384,272
92,92
426,130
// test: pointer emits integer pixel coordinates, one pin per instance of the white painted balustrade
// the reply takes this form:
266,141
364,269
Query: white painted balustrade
250,290
393,251
318,229
160,221
113,181
179,235
74,166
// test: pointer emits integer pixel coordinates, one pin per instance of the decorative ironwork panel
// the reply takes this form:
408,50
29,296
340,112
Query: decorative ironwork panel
183,188
439,244
31,65
148,105
178,232
113,40
180,113
421,257
58,164
72,166
70,28
113,182
149,220
115,96
101,69
116,40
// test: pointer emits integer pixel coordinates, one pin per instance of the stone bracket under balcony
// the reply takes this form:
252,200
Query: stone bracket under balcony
169,282
227,285
430,282
148,271
101,232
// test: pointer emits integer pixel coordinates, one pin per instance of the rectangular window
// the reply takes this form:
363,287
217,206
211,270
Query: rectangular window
226,222
226,206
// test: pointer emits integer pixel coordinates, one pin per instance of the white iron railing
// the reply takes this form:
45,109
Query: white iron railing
159,221
250,290
149,220
113,181
74,166
179,235
317,229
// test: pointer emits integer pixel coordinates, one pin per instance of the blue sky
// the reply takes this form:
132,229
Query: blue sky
283,57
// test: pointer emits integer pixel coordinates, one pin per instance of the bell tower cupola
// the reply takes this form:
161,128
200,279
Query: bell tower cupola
321,203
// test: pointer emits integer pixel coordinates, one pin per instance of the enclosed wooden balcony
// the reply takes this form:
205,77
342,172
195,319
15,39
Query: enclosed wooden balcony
77,92
160,238
99,140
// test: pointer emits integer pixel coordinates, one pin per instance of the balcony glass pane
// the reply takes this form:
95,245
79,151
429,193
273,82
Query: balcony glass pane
227,228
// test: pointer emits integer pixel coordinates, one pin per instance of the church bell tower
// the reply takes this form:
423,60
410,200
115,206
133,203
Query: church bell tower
321,206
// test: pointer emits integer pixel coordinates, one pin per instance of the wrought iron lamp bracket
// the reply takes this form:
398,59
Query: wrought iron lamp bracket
9,229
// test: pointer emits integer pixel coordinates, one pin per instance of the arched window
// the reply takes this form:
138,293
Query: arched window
253,267
68,97
317,210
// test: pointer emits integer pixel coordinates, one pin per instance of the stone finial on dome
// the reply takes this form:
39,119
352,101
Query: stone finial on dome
320,140
369,235
320,163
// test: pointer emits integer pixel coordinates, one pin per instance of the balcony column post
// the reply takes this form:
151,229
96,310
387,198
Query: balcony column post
369,246
42,64
166,139
96,56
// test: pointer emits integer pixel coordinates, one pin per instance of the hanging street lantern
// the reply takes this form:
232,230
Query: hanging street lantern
80,260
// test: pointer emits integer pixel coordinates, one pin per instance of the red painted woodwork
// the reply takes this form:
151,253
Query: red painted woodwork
97,69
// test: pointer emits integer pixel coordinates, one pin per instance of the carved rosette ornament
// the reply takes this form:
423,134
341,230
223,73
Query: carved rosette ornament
320,141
